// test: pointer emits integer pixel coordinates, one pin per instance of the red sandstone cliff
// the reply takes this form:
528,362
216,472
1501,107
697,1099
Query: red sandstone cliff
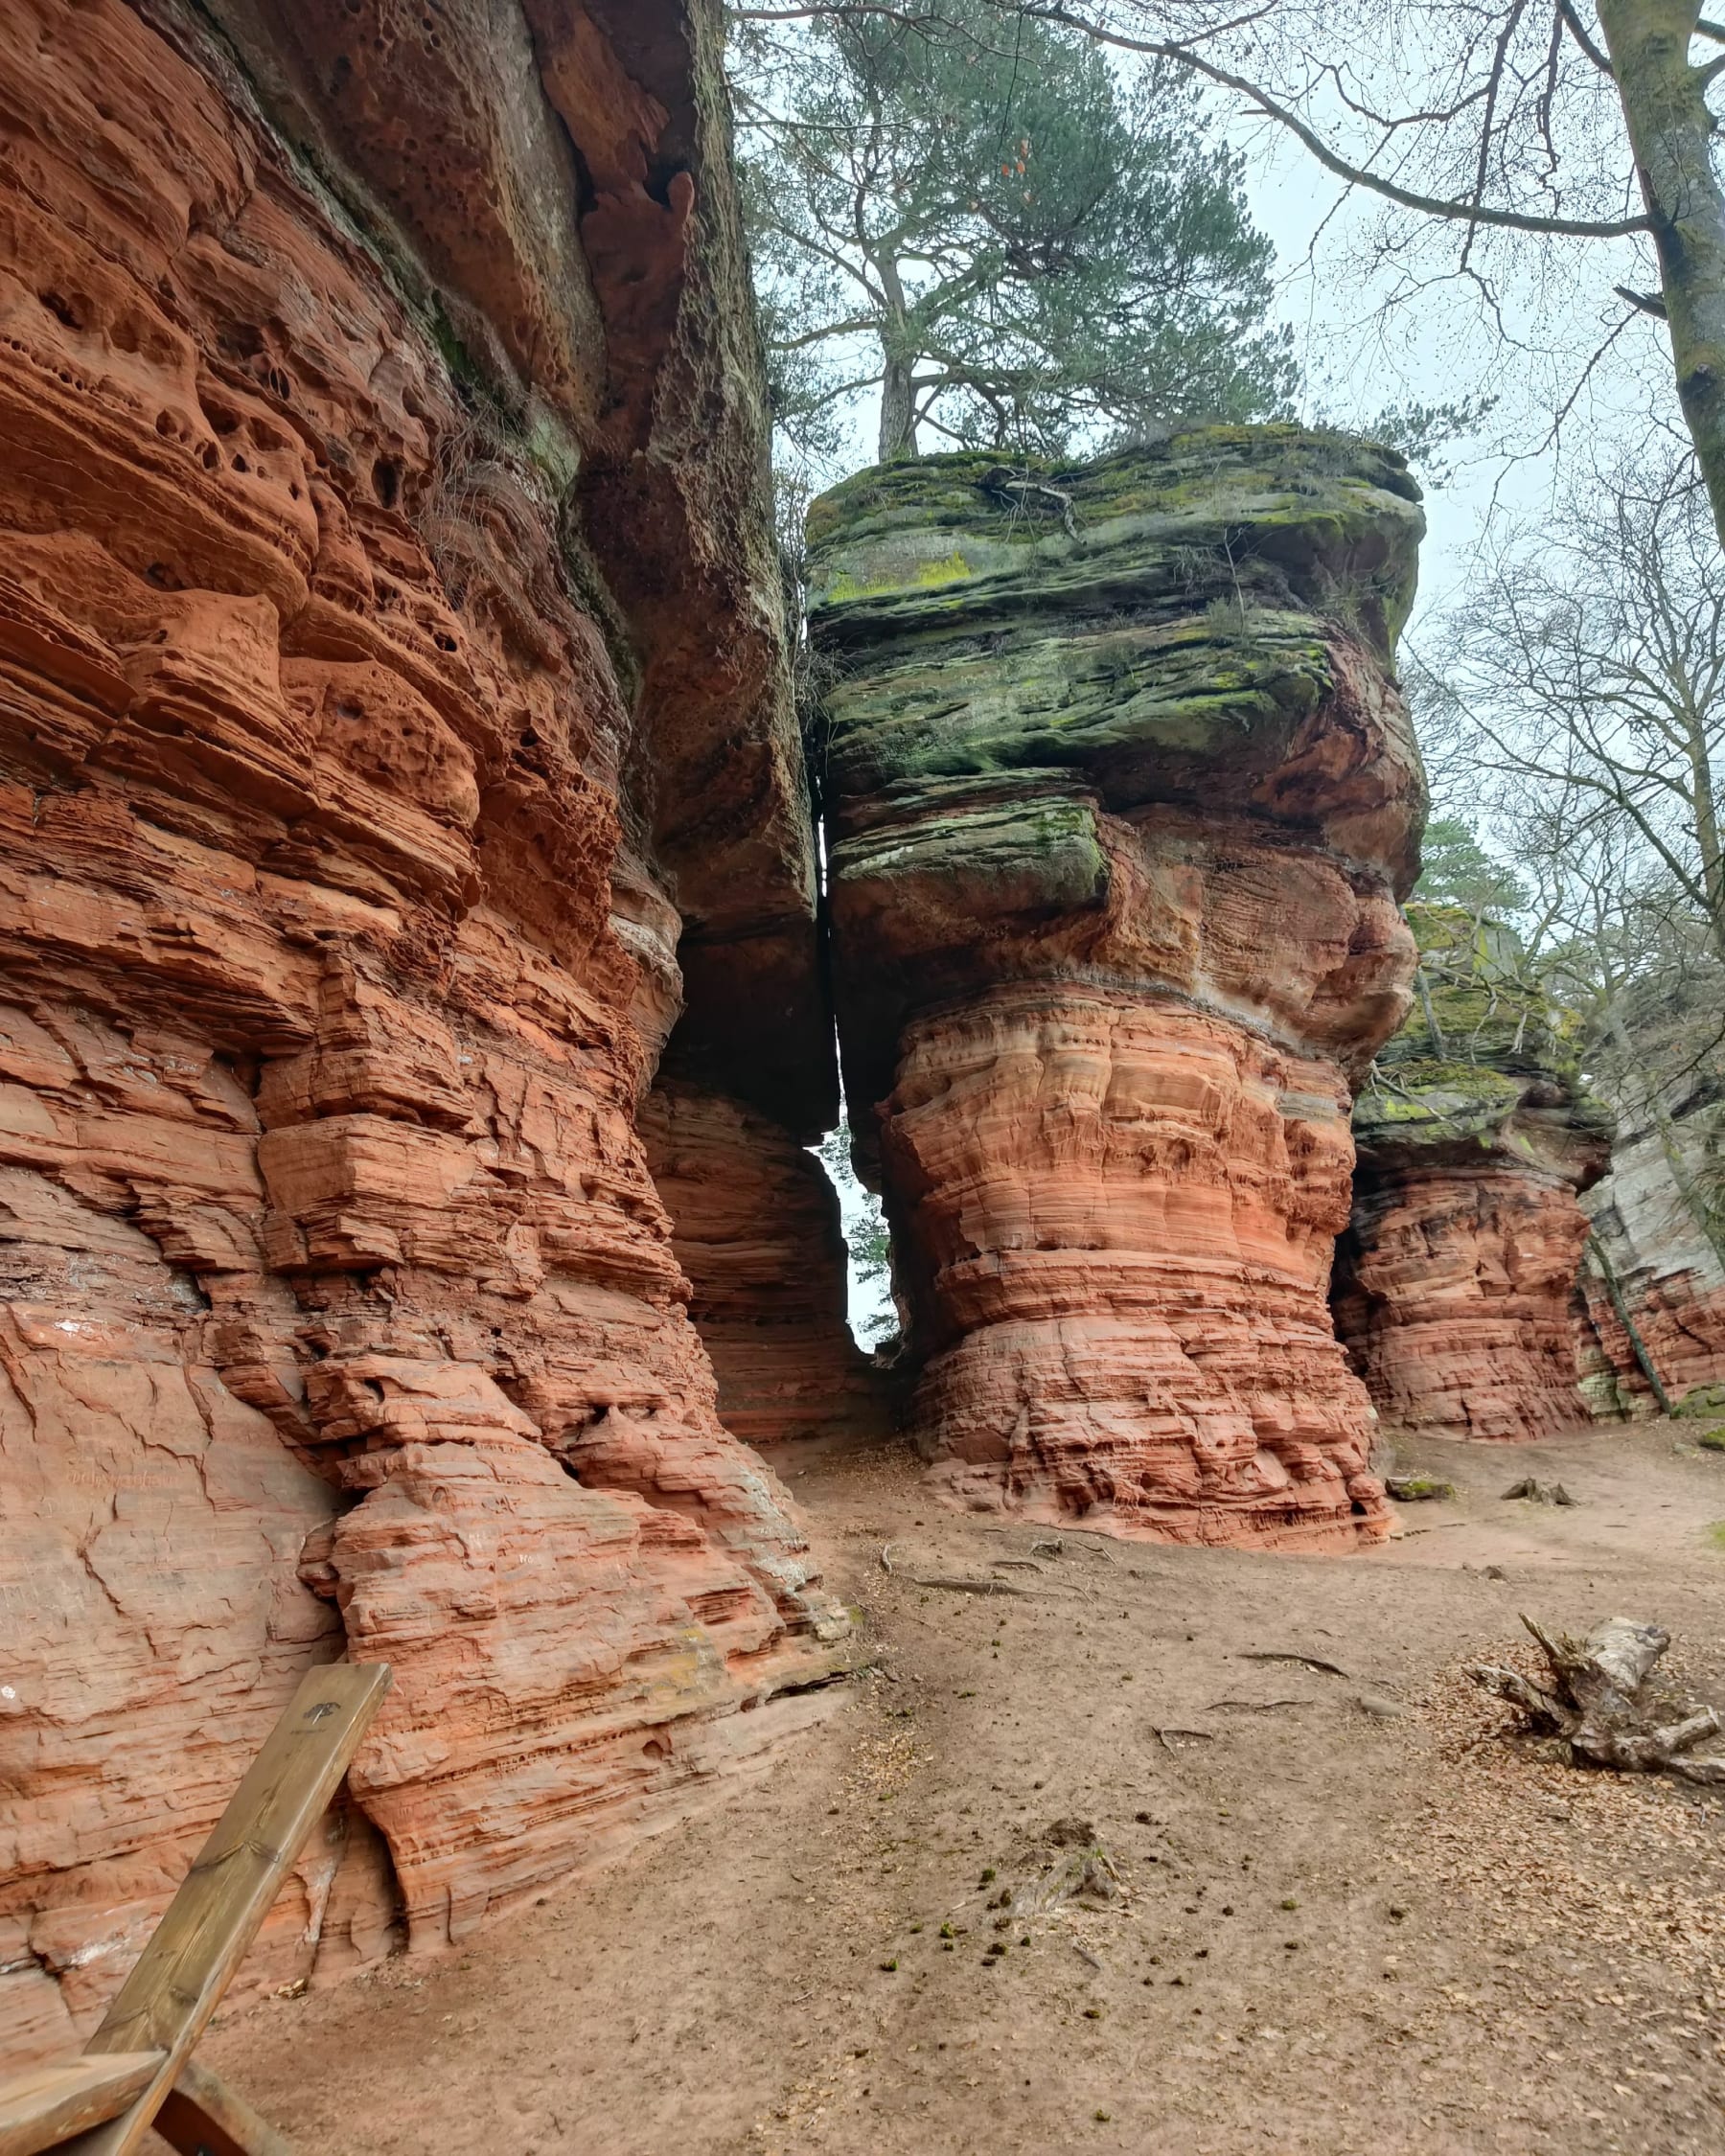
395,737
1455,1281
1122,793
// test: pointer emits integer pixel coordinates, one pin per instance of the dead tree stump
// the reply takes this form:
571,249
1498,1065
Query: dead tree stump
1596,1698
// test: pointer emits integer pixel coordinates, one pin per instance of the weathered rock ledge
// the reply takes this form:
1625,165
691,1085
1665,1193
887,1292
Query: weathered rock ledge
1121,793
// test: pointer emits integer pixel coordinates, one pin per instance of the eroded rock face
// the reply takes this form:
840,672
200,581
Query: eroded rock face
1454,1281
1652,1264
756,1225
341,924
1121,794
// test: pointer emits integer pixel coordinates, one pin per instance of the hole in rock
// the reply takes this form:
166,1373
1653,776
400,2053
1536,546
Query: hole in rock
72,312
387,481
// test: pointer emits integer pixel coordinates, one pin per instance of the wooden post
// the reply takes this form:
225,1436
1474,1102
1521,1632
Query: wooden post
165,2003
202,2117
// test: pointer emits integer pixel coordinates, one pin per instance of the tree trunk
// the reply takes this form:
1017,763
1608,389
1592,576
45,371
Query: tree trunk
1671,132
898,411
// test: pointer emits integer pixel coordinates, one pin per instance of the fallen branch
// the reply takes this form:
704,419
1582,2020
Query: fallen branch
1594,1698
1173,1729
1032,494
955,1584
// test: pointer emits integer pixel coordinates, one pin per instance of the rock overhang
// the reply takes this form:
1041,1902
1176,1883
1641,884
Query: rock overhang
1120,792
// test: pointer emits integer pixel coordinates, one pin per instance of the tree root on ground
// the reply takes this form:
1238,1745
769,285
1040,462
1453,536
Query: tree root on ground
1594,1697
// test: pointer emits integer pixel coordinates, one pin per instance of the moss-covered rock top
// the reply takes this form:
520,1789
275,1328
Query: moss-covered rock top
1485,1059
1266,516
1164,624
1478,1004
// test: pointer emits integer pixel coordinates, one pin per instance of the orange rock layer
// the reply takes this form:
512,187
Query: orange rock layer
1126,1207
1453,1292
340,1308
1476,1139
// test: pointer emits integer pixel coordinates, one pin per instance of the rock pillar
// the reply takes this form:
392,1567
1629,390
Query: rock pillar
1119,792
1456,1280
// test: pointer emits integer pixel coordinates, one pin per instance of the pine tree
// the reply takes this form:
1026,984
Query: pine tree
1023,248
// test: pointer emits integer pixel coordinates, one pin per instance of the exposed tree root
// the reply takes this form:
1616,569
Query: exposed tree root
1595,1698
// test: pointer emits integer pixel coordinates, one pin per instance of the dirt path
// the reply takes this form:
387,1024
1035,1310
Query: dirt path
1344,1922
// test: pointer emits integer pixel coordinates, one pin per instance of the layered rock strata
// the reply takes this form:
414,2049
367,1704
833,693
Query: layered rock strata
388,668
1454,1283
1120,792
1652,1283
756,1225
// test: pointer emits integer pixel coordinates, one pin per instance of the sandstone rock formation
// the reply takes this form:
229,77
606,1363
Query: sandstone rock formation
1121,794
756,1225
1453,1282
395,736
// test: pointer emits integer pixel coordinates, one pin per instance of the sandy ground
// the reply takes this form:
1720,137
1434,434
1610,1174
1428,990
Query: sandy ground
1349,1915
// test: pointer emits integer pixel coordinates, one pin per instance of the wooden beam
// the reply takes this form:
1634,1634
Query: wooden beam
47,2104
201,2115
178,1980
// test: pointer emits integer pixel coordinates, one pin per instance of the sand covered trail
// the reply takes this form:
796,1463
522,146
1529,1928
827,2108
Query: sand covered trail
1346,1915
